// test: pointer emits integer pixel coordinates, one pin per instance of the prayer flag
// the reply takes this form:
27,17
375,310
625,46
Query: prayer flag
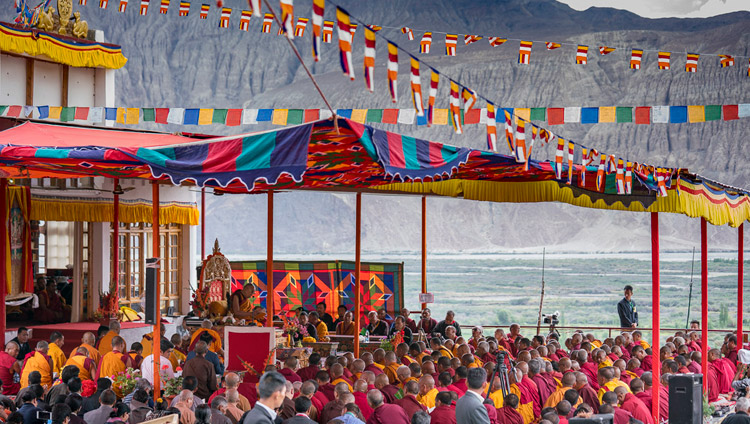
352,29
82,114
620,177
691,64
470,98
416,87
369,59
748,67
267,23
496,41
82,2
600,178
393,71
524,52
317,27
376,28
345,43
164,7
455,108
204,11
103,4
571,153
584,162
144,7
661,176
245,19
509,133
468,39
434,79
629,178
552,46
184,8
409,33
299,31
287,18
226,13
491,128
664,60
531,146
123,5
559,154
255,7
582,55
635,58
327,31
424,45
726,60
605,50
520,150
451,41
205,116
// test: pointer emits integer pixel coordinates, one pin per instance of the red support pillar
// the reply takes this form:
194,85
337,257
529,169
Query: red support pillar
116,242
357,272
269,264
203,223
655,315
740,281
704,303
157,253
424,248
3,258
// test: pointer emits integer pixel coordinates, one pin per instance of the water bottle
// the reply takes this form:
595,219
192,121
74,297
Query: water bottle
367,336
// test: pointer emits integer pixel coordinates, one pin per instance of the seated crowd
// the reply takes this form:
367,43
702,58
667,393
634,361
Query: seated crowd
443,381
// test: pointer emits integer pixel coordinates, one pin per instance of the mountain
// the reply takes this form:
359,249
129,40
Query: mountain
188,62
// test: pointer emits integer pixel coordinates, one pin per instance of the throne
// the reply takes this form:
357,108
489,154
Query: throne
216,273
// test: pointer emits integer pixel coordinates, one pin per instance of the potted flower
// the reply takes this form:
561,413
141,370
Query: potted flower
172,387
124,382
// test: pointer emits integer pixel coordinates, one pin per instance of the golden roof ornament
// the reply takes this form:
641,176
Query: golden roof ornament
49,21
64,10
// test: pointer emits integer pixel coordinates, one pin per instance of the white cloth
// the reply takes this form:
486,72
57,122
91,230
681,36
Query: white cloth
572,114
176,115
744,356
660,114
34,301
743,110
147,369
406,116
249,116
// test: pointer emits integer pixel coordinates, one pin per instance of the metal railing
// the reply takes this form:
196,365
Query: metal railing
618,330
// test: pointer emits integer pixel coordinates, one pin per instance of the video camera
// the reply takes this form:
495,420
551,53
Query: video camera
551,319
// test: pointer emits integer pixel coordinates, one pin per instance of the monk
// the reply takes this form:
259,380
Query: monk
86,366
719,376
391,367
105,343
88,342
58,357
177,357
438,347
587,393
427,391
443,413
115,361
52,307
546,386
38,361
508,414
136,355
346,327
383,413
568,381
241,302
643,390
632,404
525,404
409,401
337,376
530,387
9,366
215,345
608,382
148,341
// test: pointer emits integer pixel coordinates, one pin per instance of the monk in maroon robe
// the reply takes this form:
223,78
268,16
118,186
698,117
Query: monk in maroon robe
587,393
361,400
409,401
384,413
508,413
532,391
642,390
635,406
443,412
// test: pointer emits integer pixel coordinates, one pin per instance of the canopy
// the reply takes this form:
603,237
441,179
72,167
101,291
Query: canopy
352,157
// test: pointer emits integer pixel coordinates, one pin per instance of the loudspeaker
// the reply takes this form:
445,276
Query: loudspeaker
686,398
595,419
152,267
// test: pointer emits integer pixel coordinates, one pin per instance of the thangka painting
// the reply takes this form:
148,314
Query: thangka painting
305,284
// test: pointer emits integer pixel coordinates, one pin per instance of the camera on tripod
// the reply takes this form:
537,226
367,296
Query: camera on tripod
551,319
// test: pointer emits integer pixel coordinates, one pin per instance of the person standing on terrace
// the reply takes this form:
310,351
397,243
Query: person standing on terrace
627,311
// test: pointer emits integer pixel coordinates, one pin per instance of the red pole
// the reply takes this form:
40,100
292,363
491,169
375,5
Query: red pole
655,315
704,303
424,248
269,263
116,243
740,281
3,257
157,326
357,272
203,223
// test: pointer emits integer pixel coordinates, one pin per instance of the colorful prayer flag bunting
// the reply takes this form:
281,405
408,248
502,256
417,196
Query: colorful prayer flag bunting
393,71
496,41
123,5
327,31
103,4
635,58
245,19
520,148
582,55
691,64
571,154
82,2
629,178
661,176
255,7
345,42
469,97
559,154
509,133
664,60
455,108
726,60
287,18
552,46
600,172
144,7
620,177
468,39
317,25
267,23
425,43
299,30
204,11
409,33
451,41
491,128
524,52
416,87
164,7
434,80
369,60
184,8
226,13
584,162
605,50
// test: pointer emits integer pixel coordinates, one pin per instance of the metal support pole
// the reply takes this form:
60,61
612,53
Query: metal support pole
357,272
655,322
157,325
269,264
424,248
3,253
704,303
115,255
740,281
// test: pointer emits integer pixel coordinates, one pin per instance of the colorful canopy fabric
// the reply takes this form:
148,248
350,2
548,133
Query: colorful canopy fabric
350,156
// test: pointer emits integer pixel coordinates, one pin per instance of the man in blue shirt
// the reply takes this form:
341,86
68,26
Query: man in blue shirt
626,310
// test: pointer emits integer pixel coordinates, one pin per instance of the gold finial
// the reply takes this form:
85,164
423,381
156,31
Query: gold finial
65,10
217,249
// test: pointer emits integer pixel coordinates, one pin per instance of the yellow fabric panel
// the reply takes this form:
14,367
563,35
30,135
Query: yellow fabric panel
696,113
54,112
523,113
359,115
133,115
120,115
440,117
205,116
75,210
88,56
280,116
607,114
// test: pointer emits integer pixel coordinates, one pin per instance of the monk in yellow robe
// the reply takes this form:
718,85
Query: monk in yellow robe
568,381
320,327
88,341
105,344
427,391
37,361
86,367
115,361
58,357
215,345
391,367
241,302
337,376
177,357
436,346
608,382
147,342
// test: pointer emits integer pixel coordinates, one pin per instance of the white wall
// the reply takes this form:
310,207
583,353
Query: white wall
12,80
47,84
81,87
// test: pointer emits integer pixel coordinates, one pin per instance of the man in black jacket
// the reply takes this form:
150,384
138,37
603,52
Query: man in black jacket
626,310
271,393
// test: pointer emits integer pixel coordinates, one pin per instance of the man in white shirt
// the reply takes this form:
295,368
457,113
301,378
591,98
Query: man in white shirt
166,371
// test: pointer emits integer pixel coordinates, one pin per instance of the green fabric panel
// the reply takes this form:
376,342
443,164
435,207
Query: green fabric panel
149,115
624,114
3,108
68,114
158,156
374,115
51,153
713,112
538,114
220,116
409,146
256,152
448,152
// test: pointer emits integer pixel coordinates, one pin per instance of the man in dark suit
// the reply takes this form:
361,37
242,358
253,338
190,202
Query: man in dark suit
271,393
302,407
469,409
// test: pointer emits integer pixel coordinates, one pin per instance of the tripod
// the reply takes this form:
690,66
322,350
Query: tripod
501,370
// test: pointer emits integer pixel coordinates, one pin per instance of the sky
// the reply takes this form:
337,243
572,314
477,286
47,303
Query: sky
667,8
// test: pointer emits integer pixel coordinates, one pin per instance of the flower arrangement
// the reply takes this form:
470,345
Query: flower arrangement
108,303
124,381
200,301
395,340
172,386
251,370
88,388
293,330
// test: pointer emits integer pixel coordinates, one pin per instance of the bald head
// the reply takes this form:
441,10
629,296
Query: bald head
381,381
337,370
89,338
368,376
568,379
232,380
360,386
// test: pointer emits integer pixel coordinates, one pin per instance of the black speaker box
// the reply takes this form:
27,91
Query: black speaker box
686,399
152,267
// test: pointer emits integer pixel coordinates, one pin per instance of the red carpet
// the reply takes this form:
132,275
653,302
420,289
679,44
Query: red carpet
72,331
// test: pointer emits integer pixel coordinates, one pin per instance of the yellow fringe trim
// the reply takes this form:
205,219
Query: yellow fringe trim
81,55
74,210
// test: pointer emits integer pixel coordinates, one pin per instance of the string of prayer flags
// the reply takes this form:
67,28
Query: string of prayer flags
204,11
425,43
520,150
559,154
123,6
184,8
600,172
327,31
491,128
726,60
267,23
393,71
317,26
605,50
455,108
469,97
571,153
451,41
468,39
409,33
691,64
629,178
255,6
509,133
664,60
245,20
226,13
144,7
376,28
416,87
287,18
552,46
524,52
582,55
345,43
299,30
434,80
496,41
369,61
635,58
